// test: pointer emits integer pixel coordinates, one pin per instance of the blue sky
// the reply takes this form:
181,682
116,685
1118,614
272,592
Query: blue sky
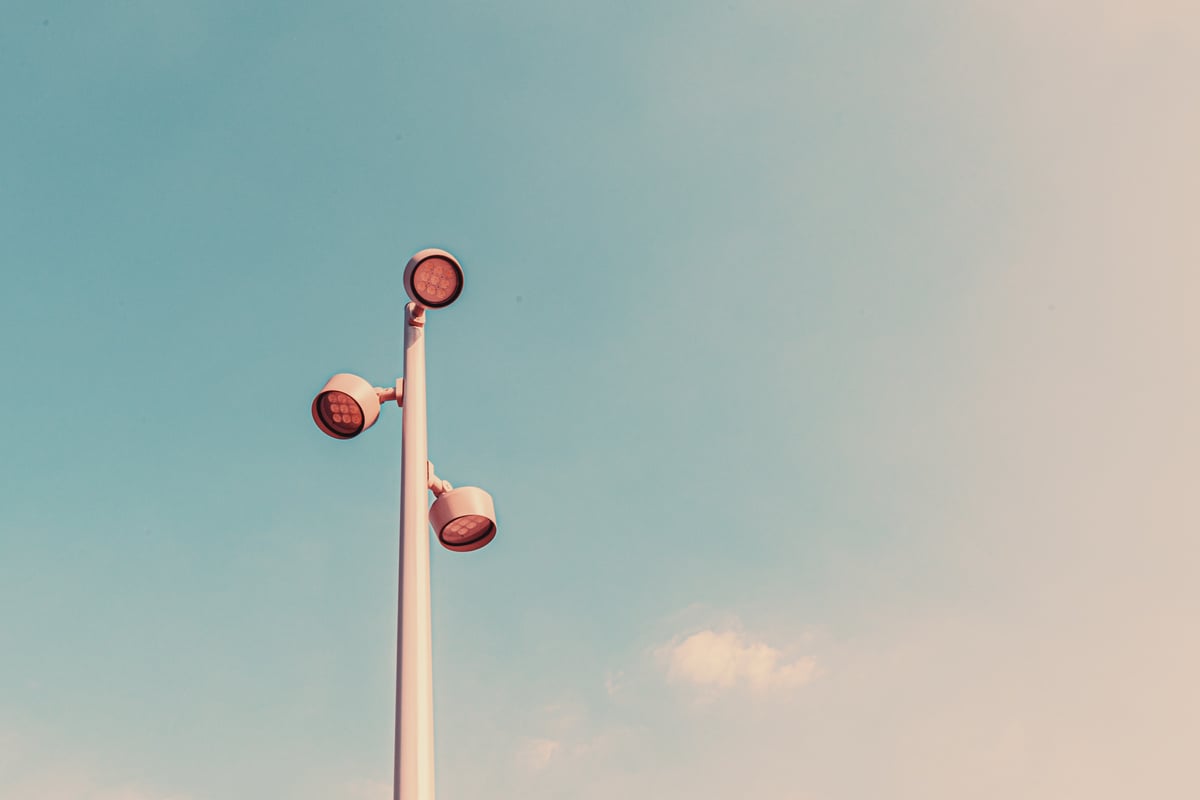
832,366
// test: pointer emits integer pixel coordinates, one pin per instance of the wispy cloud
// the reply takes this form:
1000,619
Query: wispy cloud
728,659
80,787
30,769
535,755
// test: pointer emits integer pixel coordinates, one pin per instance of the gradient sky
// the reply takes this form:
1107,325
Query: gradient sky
833,365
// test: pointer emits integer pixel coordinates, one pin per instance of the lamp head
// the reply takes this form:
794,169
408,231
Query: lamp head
433,278
464,519
346,407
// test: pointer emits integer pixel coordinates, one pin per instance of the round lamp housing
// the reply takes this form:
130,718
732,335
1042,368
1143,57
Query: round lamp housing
464,519
346,407
433,278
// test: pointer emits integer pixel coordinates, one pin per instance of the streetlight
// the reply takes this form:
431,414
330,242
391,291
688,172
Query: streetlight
464,518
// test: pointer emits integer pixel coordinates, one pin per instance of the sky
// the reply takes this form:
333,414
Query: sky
832,364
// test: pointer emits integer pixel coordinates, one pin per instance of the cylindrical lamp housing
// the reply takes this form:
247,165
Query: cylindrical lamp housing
433,278
346,407
464,519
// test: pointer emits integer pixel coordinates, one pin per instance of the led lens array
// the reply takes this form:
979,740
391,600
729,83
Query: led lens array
436,281
341,413
466,529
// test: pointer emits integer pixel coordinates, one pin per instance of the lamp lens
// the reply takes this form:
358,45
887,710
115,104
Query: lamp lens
341,413
436,281
465,530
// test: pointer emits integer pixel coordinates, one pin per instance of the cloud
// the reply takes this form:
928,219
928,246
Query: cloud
71,786
29,768
535,755
725,660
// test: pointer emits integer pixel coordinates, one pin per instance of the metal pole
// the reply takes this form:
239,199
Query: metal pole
412,778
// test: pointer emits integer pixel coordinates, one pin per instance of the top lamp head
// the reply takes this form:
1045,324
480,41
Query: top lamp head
433,278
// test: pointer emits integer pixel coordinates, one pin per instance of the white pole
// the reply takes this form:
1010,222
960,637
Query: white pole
412,778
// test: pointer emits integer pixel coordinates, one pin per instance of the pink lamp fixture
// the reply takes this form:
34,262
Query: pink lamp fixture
464,519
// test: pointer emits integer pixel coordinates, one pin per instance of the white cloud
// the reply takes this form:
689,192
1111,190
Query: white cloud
725,660
73,786
535,755
29,768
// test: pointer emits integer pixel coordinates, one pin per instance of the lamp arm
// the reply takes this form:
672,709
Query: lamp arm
438,486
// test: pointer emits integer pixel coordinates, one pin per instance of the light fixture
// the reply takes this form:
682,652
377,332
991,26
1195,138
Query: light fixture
464,519
346,407
433,278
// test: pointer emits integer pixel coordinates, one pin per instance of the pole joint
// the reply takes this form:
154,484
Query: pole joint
414,314
390,393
